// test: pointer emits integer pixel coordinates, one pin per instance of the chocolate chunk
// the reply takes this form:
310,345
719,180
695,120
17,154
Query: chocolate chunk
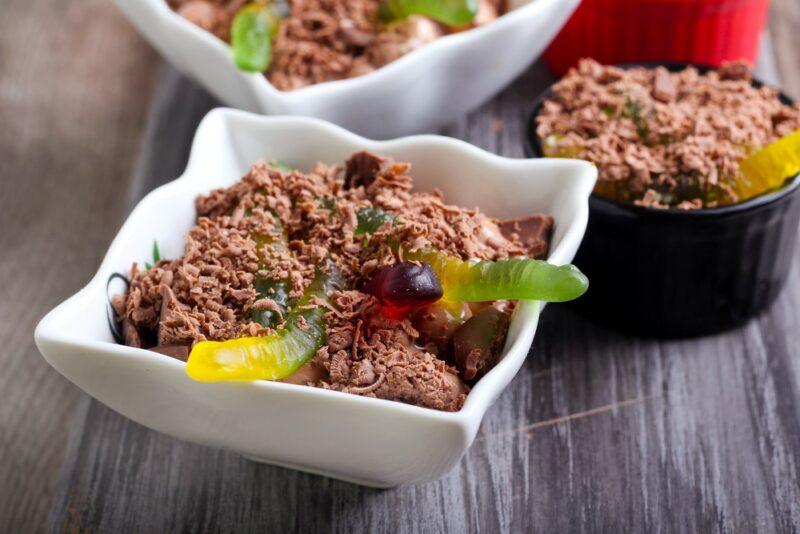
362,168
478,343
310,373
352,35
663,86
736,70
179,352
131,334
534,231
207,15
436,325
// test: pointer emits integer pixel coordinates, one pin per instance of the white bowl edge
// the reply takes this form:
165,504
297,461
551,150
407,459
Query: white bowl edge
226,122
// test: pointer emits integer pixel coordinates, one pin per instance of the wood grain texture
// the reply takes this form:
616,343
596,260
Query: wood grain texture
74,87
597,433
784,22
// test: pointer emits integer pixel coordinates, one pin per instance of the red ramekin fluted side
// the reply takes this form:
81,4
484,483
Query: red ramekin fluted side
696,31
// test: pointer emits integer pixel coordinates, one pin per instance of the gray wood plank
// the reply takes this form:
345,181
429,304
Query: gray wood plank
784,20
74,88
598,432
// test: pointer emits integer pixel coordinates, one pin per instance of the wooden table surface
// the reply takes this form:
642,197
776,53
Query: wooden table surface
598,432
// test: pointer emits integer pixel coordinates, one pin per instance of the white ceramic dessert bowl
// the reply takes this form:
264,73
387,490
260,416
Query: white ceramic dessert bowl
429,87
369,441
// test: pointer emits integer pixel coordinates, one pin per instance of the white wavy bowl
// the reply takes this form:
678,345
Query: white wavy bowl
369,441
429,87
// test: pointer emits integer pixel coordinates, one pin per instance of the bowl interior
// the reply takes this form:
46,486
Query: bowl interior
229,141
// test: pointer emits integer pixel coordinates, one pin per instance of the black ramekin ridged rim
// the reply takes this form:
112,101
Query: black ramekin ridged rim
533,149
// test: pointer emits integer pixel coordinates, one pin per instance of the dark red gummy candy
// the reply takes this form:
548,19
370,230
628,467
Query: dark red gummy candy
403,286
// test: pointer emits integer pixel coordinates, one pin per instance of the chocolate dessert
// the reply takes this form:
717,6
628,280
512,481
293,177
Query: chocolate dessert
323,40
342,278
665,139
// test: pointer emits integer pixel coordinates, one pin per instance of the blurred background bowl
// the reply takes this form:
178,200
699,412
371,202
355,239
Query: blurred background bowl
683,273
427,88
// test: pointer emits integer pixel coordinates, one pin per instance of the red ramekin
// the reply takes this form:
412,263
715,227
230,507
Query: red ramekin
692,31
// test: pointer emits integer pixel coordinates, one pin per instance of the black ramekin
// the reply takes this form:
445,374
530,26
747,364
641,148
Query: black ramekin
678,273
